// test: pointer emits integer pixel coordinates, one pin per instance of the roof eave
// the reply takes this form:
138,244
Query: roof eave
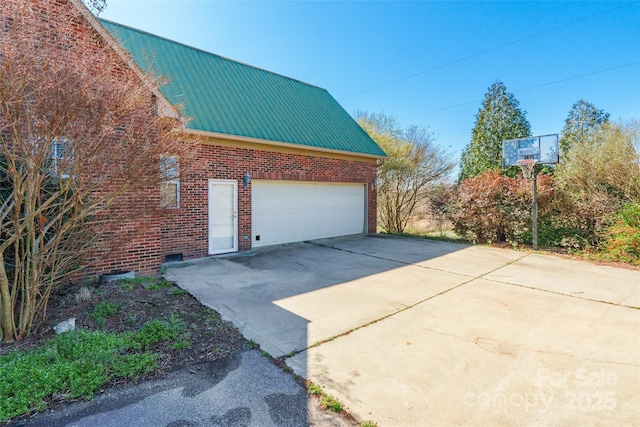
165,107
268,142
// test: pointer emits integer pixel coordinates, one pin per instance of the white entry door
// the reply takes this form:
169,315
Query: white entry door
223,216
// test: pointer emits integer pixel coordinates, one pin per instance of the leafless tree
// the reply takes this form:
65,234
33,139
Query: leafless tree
95,6
80,134
414,165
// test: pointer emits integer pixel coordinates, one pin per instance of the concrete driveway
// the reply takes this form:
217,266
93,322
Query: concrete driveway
414,332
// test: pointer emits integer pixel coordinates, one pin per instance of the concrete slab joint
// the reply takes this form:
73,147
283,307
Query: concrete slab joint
402,330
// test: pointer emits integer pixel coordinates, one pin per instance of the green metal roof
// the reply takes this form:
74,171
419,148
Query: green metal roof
224,96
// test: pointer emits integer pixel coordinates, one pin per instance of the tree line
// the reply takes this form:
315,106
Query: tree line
589,201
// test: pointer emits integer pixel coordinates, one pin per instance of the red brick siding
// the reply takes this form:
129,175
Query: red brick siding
137,244
185,230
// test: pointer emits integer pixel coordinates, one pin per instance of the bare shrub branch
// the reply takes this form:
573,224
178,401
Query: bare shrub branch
80,143
414,166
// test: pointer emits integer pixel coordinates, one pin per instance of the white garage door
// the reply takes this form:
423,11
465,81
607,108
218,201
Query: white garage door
292,211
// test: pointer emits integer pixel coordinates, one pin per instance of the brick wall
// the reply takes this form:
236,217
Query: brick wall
134,239
185,230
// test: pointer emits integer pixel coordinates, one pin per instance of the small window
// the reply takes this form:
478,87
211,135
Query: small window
170,194
170,186
61,157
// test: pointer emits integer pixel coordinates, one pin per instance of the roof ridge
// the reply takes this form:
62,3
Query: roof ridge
101,20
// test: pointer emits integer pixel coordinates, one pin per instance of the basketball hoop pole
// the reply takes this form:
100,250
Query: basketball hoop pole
528,167
534,211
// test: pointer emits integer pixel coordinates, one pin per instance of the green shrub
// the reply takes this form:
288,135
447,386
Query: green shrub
133,365
128,286
331,402
76,364
159,330
621,239
139,280
160,284
314,388
182,345
130,283
103,310
552,232
630,215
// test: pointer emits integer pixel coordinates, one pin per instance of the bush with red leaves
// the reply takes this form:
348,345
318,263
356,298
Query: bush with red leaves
495,208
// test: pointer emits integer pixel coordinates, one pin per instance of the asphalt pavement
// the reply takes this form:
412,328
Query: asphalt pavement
245,390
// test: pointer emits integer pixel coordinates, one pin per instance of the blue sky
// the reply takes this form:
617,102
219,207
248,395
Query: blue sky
426,62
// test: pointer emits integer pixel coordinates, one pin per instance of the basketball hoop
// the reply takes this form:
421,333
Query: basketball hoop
526,152
527,166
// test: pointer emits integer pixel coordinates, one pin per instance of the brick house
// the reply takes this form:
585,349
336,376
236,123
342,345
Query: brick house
281,161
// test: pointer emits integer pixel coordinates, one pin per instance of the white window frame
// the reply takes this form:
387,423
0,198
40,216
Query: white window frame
57,149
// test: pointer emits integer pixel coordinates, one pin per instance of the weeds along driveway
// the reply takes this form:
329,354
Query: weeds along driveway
408,332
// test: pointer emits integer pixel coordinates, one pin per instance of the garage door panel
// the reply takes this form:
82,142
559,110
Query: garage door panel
289,211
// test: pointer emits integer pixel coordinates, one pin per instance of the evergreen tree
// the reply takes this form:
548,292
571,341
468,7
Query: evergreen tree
583,121
499,118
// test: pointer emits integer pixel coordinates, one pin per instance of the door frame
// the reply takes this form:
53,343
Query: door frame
210,203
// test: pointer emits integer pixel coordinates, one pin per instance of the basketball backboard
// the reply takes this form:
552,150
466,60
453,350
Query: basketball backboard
542,149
